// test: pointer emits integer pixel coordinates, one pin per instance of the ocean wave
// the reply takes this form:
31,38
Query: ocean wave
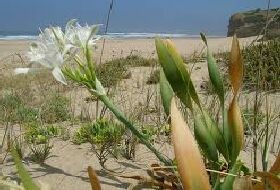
18,37
115,36
147,35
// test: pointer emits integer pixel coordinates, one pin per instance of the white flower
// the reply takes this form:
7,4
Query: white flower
81,36
47,52
53,47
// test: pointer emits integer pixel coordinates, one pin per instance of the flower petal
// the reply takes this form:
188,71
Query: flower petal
21,70
26,70
58,75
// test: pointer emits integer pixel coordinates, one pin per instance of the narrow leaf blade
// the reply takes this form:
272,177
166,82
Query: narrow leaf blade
204,138
23,173
166,92
236,129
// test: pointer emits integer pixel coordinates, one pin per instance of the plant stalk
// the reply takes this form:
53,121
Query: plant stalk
134,130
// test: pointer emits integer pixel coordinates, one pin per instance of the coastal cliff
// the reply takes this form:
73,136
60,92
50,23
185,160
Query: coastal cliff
251,23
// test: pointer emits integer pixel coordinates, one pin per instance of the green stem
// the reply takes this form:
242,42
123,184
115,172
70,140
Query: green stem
134,130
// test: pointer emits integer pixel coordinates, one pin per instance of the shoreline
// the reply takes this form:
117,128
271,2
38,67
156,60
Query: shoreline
115,48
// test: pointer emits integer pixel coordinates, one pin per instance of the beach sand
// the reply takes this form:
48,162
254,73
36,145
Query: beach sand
124,47
66,168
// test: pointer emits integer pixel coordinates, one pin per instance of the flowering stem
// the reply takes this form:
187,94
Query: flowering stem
134,130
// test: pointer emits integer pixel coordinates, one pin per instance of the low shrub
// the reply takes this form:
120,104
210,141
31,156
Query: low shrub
105,137
40,152
38,134
38,138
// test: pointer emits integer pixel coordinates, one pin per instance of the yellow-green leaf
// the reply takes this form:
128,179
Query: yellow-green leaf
166,92
236,65
190,164
184,72
25,177
214,74
176,72
204,138
216,134
236,129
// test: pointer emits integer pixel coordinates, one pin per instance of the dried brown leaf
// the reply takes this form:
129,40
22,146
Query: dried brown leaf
190,164
275,168
236,65
95,184
272,179
236,128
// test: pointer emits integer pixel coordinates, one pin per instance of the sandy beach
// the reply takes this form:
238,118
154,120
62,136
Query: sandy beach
123,47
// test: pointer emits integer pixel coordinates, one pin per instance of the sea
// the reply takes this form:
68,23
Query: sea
7,36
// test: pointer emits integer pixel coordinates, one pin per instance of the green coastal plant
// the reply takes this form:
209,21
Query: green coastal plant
40,152
26,179
214,139
38,139
105,137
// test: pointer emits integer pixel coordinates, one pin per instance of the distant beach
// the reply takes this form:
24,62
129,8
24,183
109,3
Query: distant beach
7,36
121,45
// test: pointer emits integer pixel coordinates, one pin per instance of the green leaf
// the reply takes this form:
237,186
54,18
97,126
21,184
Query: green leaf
26,179
229,180
176,73
217,136
172,73
204,138
185,74
214,74
166,92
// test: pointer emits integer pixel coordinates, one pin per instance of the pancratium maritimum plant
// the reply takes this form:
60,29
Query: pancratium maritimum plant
215,140
55,47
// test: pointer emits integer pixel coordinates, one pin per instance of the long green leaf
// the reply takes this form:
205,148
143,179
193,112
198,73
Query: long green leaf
166,92
182,68
204,138
26,179
176,73
216,134
214,74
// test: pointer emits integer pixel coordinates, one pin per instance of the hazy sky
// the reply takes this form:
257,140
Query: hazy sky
170,16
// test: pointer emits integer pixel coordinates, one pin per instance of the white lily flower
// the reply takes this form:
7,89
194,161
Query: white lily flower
81,36
54,46
47,52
